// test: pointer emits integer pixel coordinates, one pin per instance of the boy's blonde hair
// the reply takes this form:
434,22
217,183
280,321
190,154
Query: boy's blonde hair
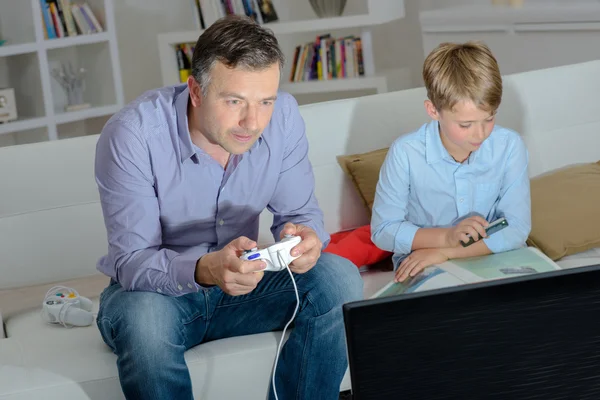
457,72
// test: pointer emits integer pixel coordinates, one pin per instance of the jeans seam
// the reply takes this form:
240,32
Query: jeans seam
300,294
103,334
303,366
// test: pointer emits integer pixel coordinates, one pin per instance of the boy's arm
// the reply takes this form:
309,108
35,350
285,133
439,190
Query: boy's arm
515,201
475,250
390,230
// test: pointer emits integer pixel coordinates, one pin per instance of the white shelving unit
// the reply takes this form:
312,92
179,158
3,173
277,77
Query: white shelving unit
26,61
538,35
297,25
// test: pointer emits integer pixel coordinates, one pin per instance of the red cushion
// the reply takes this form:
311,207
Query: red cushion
356,246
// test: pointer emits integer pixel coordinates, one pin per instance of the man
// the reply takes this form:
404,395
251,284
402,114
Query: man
183,174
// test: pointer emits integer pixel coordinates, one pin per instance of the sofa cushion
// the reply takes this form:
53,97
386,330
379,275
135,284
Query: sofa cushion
81,366
363,170
565,212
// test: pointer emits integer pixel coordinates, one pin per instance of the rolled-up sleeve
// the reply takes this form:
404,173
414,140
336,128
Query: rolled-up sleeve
131,214
514,203
390,230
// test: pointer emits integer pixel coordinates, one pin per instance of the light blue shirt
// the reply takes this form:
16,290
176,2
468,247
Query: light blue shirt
422,186
166,203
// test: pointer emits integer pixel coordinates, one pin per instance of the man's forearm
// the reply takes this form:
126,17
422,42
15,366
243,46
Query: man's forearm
477,249
428,238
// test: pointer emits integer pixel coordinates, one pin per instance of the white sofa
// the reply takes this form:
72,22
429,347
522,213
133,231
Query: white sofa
51,230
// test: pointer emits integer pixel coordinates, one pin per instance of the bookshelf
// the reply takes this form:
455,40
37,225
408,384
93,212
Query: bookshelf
29,55
297,25
540,34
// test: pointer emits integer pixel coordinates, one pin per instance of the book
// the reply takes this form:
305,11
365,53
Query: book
523,261
267,11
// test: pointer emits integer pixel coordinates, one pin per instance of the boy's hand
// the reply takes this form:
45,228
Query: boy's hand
309,248
474,226
417,261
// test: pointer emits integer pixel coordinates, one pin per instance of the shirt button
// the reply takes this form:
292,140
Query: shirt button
221,222
460,200
179,287
158,290
190,286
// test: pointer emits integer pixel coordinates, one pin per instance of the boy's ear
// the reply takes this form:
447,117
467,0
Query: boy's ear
431,110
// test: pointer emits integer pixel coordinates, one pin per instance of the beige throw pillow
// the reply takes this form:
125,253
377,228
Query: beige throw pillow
565,211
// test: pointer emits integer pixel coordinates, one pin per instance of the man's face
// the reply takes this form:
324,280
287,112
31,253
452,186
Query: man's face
237,106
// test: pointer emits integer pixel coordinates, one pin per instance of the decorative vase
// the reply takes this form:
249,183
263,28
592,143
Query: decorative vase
328,8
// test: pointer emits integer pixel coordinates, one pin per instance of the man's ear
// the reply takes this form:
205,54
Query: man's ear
431,110
195,91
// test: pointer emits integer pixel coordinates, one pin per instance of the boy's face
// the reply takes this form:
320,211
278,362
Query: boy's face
462,129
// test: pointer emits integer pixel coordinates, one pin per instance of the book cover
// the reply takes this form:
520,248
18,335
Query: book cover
267,11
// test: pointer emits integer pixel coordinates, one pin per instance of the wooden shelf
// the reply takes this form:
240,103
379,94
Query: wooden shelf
535,17
23,125
16,49
76,40
92,112
379,83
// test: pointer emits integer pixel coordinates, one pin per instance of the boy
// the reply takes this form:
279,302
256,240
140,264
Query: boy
456,173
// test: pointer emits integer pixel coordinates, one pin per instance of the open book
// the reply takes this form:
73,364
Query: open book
526,260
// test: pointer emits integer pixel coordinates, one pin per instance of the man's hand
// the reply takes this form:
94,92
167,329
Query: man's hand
474,226
309,248
417,261
225,269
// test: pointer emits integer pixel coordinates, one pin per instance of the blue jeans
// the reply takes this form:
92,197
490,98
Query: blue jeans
149,332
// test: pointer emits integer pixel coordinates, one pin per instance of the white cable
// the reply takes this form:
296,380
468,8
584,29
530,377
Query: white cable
282,262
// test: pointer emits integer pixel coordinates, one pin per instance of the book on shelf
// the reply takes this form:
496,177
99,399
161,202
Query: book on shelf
183,55
523,261
62,18
199,15
262,11
328,58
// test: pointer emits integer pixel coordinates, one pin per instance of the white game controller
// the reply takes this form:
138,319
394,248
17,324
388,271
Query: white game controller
272,254
66,307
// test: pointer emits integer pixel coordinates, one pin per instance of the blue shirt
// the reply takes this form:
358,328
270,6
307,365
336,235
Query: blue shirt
166,202
422,186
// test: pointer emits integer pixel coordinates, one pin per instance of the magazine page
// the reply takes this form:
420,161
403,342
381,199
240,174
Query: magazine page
433,277
523,261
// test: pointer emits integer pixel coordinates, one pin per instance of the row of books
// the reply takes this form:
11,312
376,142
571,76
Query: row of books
262,11
63,19
184,53
328,58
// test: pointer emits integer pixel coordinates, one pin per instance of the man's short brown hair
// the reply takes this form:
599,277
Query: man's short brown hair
234,41
461,72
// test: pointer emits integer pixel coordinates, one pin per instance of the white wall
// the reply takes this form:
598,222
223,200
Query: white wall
138,24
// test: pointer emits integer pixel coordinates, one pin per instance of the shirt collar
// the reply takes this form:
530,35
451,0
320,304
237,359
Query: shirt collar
185,141
434,148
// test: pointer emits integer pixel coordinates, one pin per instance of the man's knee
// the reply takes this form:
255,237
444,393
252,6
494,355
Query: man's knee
337,281
134,321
